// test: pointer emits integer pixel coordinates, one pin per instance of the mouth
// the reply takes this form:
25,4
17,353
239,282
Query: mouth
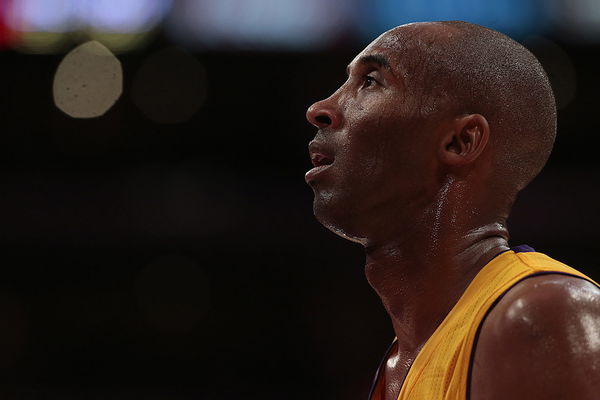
321,159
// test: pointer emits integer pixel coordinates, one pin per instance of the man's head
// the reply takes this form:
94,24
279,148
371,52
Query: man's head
426,105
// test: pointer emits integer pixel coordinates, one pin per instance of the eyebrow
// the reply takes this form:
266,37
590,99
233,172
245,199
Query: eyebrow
378,59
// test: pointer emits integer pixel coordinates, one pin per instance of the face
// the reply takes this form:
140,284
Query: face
373,154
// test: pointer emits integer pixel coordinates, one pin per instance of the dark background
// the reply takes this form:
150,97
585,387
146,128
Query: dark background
182,261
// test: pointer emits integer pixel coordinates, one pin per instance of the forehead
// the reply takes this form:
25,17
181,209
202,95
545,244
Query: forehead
382,46
410,34
386,50
401,45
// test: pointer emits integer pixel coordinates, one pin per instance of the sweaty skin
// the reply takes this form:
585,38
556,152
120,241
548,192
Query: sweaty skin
415,181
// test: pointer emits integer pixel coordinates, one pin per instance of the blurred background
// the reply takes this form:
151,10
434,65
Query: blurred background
157,238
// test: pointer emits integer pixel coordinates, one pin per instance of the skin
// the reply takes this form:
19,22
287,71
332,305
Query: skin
416,189
542,340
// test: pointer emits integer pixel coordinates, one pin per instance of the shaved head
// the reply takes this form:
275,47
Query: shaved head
433,115
463,68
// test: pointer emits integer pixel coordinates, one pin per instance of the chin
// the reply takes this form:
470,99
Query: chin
337,217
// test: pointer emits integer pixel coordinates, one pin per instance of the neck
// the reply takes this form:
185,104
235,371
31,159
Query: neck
421,274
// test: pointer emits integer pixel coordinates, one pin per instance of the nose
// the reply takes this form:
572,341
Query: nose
323,115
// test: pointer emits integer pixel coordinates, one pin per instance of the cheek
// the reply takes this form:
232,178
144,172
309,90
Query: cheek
373,152
377,146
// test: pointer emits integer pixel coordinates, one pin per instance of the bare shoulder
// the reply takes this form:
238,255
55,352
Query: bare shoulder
541,340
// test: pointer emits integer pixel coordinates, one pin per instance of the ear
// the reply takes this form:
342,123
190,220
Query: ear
464,139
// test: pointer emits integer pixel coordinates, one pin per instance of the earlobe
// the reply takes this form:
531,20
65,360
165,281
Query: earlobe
464,140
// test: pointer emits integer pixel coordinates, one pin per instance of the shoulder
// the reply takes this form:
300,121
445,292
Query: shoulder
541,340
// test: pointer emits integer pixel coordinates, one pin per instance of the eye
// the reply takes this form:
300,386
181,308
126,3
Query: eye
368,80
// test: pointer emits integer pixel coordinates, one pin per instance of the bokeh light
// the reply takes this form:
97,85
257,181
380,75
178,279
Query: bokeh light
41,15
7,35
514,17
121,42
42,42
88,81
123,16
170,86
47,26
173,293
42,25
578,20
122,26
260,24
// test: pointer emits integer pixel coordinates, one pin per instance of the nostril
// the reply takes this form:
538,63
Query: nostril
323,119
322,115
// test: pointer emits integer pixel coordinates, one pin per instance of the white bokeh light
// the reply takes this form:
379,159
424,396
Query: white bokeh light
88,81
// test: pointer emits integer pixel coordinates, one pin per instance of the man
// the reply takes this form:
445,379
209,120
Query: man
419,157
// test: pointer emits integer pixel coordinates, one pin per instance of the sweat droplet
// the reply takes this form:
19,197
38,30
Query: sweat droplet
88,81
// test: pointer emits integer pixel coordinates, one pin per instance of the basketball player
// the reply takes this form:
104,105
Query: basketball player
419,157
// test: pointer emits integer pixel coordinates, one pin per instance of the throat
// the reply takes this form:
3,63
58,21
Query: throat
418,289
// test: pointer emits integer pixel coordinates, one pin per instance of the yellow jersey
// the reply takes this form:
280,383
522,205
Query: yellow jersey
442,367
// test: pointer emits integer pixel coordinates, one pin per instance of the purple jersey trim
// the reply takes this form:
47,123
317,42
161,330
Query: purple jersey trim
522,248
380,371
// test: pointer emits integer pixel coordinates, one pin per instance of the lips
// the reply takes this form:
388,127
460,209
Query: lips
321,158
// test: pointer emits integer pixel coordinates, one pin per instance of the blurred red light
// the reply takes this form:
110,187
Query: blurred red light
8,37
